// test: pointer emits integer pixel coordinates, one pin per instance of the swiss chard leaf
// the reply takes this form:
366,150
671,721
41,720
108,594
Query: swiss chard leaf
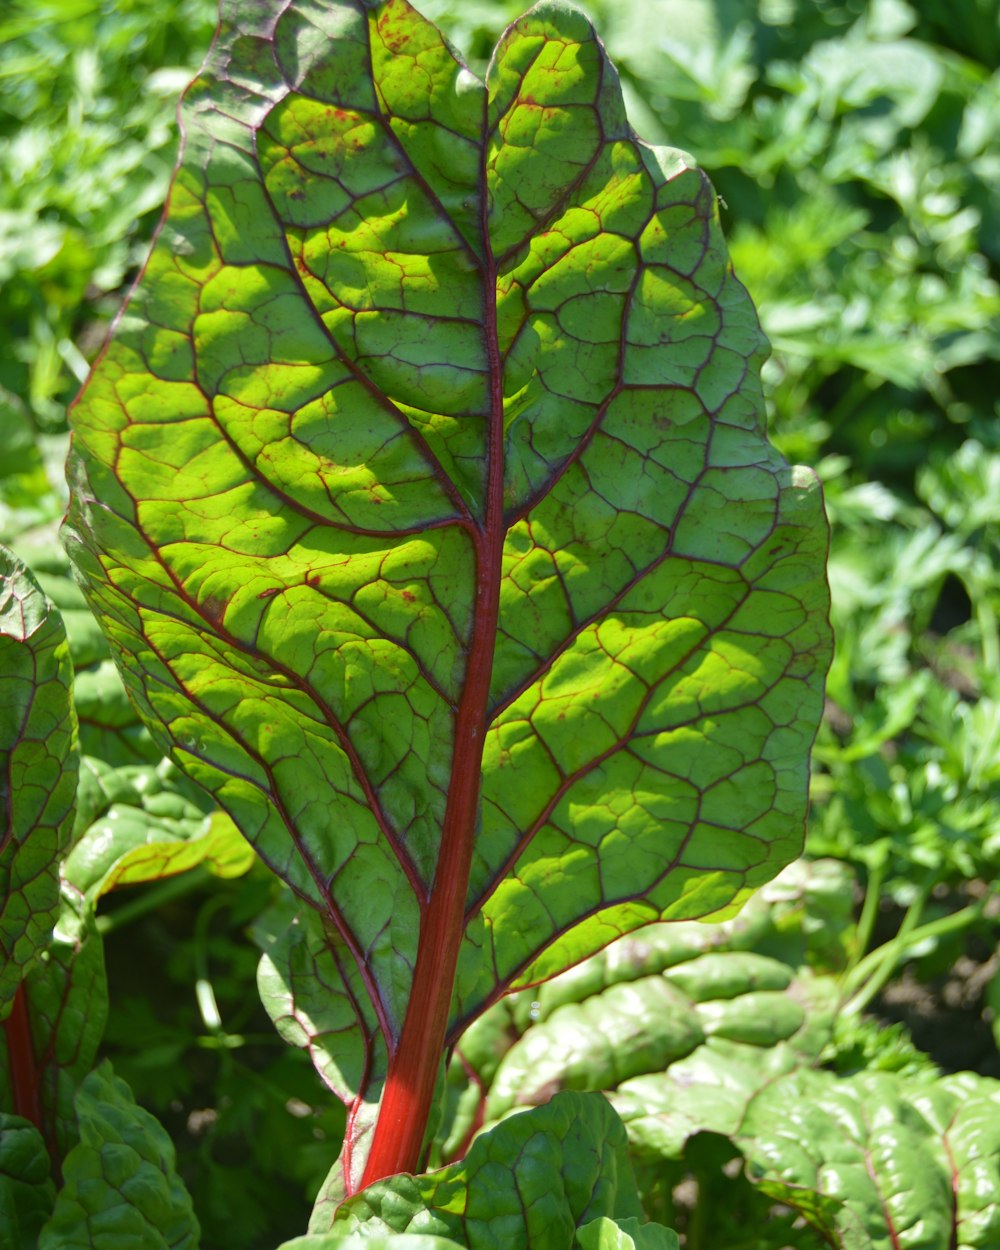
26,1189
141,827
39,763
532,1181
120,1184
424,496
881,1162
65,1004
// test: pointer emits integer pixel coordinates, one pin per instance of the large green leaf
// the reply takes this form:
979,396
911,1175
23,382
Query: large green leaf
424,495
38,769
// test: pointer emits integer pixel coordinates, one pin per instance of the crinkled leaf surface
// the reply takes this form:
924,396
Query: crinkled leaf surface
424,495
881,1162
120,1187
682,1024
530,1182
26,1189
630,1234
38,769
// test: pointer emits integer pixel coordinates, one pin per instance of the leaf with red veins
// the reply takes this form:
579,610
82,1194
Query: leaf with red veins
424,496
39,763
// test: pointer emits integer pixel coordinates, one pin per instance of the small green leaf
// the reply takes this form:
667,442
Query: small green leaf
38,769
630,1234
26,1189
136,824
530,1182
120,1187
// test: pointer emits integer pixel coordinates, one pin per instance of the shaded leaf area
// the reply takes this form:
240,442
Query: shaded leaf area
38,769
879,1161
681,1023
533,1181
313,992
26,1189
423,494
120,1186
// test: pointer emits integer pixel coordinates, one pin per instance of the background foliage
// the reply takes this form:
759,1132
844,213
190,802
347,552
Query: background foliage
856,148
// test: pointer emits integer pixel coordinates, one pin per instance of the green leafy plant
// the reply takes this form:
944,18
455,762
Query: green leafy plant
854,147
423,497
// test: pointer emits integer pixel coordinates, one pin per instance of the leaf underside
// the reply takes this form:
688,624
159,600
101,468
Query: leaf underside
38,769
424,495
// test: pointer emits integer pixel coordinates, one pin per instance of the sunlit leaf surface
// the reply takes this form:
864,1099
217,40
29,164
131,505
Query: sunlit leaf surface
424,495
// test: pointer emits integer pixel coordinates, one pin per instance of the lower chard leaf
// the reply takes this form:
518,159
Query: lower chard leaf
120,1187
26,1188
424,495
532,1181
66,1006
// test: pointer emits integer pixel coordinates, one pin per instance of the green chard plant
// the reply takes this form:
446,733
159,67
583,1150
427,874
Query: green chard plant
424,498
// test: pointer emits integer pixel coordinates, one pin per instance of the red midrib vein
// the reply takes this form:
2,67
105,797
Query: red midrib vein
414,1060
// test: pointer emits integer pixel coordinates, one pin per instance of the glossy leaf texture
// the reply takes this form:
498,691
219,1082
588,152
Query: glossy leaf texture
532,1182
38,769
605,1234
424,495
880,1161
120,1186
